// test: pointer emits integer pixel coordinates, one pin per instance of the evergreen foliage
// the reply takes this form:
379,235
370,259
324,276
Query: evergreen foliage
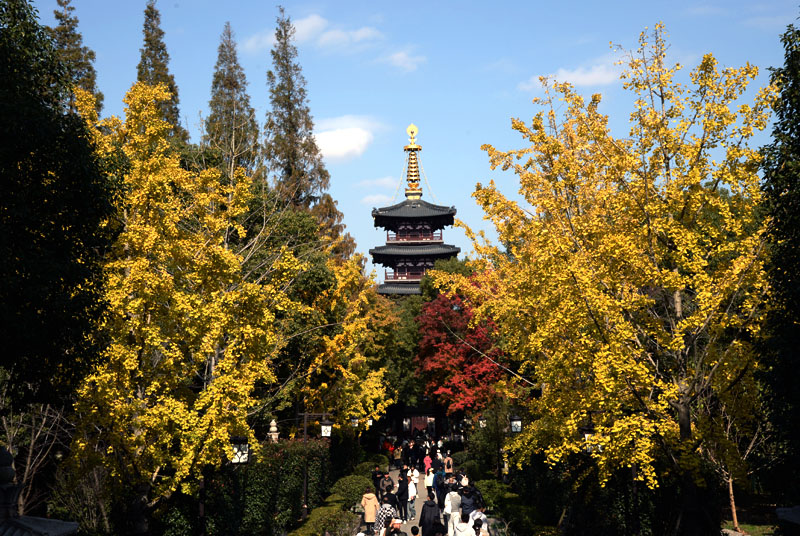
782,191
77,59
290,149
55,199
153,68
231,127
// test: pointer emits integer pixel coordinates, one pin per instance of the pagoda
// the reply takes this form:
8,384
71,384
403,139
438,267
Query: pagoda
413,232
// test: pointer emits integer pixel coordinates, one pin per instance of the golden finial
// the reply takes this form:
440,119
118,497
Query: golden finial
413,191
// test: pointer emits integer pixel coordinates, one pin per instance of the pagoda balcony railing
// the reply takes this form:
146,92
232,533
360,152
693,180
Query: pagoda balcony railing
410,275
414,236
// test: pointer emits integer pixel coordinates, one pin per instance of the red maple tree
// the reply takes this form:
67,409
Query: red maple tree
455,360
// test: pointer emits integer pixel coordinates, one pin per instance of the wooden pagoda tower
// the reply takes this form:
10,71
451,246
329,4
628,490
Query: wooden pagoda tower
413,232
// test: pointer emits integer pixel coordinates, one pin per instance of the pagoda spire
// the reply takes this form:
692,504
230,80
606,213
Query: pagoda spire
413,191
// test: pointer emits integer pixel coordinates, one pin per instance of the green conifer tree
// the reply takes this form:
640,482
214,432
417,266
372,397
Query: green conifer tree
153,67
290,150
77,58
782,189
231,127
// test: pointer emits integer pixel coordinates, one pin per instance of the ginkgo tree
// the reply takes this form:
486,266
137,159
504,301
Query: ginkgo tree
189,338
632,286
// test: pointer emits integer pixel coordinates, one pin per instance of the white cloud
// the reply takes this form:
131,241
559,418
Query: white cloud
341,38
313,29
309,28
375,199
404,61
601,72
343,143
259,41
383,182
347,121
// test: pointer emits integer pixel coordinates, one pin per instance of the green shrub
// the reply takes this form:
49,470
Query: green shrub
496,494
472,470
379,459
329,518
364,469
460,458
351,488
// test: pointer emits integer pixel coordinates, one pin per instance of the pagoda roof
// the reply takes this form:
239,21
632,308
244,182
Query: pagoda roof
385,254
399,288
382,254
412,209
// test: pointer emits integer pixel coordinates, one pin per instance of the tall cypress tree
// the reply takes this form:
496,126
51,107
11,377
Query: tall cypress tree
231,127
77,58
782,190
290,149
153,67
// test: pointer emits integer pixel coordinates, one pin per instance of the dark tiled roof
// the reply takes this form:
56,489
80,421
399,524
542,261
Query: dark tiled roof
417,250
413,209
36,526
399,288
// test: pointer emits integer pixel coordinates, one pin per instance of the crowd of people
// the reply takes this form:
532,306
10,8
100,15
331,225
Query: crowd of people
453,507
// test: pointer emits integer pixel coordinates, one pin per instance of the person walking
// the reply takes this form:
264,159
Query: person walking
398,456
377,475
429,479
386,485
440,488
412,493
460,526
428,516
384,515
448,465
452,504
402,497
469,501
370,504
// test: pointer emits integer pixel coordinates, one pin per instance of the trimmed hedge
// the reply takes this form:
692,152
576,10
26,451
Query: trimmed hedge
364,469
330,517
351,489
264,497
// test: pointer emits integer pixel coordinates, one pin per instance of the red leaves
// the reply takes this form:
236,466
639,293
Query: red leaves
452,356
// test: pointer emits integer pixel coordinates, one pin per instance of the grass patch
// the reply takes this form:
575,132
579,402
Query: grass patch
753,530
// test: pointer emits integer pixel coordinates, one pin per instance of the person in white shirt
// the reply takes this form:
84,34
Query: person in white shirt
412,493
460,526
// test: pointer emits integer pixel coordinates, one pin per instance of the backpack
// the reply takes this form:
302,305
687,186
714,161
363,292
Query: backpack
449,464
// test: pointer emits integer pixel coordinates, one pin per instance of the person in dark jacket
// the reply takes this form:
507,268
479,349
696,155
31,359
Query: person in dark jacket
429,515
377,475
439,488
386,485
402,496
469,502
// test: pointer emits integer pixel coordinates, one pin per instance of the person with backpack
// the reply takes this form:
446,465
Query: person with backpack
452,504
448,465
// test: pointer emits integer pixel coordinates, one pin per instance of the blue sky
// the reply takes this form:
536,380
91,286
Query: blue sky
458,70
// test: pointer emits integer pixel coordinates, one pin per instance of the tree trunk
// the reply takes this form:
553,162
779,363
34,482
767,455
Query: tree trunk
734,517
